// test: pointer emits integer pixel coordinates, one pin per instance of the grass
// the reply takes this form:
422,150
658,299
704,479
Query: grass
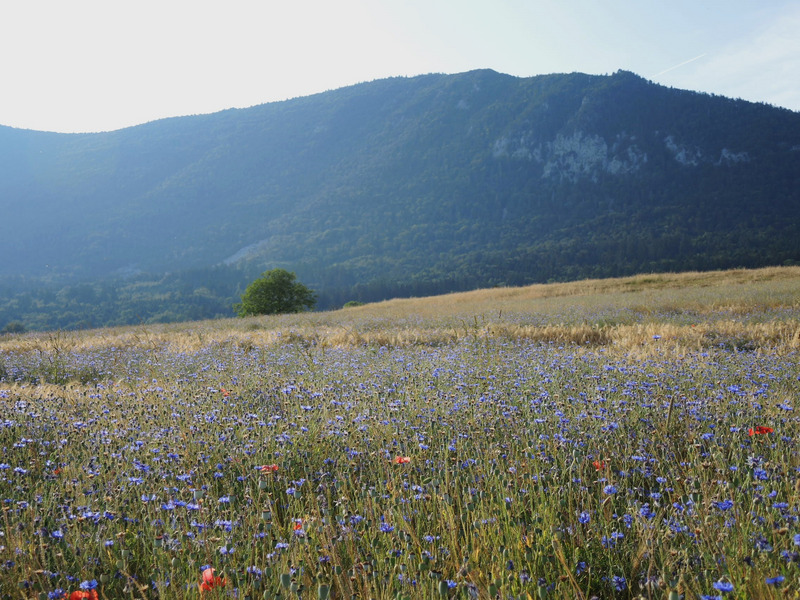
563,441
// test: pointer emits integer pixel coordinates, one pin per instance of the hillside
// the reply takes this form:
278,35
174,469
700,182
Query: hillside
405,186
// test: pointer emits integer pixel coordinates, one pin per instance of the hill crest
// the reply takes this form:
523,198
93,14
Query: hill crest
409,186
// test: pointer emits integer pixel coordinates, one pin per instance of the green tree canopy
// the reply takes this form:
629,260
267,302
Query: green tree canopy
275,292
13,327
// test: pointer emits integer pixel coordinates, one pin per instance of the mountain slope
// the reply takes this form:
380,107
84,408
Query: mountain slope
450,181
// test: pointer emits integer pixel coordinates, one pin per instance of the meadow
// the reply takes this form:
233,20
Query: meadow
626,438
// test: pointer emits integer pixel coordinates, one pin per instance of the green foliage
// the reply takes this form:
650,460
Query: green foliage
13,327
352,304
180,296
275,292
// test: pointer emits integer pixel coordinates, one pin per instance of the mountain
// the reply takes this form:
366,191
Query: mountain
395,187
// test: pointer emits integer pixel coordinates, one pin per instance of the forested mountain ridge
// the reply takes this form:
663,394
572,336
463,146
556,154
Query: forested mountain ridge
403,186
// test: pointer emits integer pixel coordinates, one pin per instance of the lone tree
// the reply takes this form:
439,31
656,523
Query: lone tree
275,292
13,327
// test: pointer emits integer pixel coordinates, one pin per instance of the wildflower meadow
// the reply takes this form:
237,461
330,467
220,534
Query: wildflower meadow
636,438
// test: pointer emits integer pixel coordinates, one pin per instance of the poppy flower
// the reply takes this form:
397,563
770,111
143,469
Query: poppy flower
269,468
401,460
298,524
210,581
80,594
760,430
225,392
599,464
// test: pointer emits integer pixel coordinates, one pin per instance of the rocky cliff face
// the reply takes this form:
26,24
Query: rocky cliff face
584,155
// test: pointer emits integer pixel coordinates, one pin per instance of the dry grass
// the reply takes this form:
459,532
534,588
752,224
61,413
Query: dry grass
739,309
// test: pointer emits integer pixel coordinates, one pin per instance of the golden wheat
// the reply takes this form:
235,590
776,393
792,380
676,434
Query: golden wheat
739,309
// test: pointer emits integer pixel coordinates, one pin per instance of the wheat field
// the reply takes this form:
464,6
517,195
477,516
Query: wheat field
625,438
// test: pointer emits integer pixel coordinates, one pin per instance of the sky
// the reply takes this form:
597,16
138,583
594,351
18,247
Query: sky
99,65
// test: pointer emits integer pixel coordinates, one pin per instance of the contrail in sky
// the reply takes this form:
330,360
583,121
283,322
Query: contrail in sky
686,62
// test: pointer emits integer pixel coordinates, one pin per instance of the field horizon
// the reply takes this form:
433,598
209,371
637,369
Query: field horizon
621,311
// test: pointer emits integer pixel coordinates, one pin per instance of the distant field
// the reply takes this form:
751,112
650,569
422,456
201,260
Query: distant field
622,438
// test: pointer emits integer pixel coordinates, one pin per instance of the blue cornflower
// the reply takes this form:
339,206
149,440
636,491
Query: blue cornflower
386,528
723,586
609,489
627,520
255,571
619,582
796,539
611,542
775,580
584,518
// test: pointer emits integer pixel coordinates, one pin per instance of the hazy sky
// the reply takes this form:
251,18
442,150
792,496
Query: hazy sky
91,65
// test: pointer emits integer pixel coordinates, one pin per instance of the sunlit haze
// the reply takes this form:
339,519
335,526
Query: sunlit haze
93,65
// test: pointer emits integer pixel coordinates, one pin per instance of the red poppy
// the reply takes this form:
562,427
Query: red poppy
298,524
401,460
80,595
269,468
210,581
599,464
760,430
225,392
